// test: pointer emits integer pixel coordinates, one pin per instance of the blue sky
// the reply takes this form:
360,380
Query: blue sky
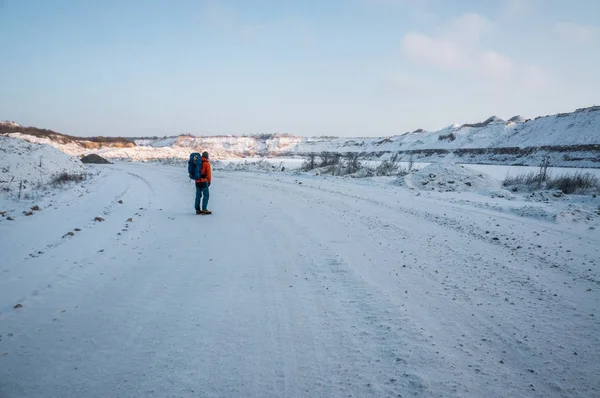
305,67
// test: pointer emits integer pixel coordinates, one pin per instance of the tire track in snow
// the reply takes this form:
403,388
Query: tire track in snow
505,338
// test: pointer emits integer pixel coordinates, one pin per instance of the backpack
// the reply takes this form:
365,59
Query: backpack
194,165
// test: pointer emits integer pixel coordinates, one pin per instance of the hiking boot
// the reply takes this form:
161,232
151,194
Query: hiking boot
198,211
205,212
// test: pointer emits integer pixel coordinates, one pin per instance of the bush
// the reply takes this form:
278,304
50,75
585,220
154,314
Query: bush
525,179
570,184
309,162
65,178
387,168
450,137
352,165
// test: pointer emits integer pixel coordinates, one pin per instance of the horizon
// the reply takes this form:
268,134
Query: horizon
195,135
343,68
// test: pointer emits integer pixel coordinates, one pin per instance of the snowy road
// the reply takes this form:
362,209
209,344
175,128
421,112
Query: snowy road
296,286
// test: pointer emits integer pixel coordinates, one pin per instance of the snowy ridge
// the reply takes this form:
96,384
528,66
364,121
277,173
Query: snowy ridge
9,123
579,128
27,166
573,139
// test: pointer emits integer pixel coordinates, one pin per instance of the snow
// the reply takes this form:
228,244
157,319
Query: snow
31,166
9,123
581,127
70,148
577,129
453,178
298,285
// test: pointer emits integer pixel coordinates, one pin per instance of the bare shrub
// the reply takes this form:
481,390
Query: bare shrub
543,175
309,162
352,163
387,168
570,184
64,178
411,163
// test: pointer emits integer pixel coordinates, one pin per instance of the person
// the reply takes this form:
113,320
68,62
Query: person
202,185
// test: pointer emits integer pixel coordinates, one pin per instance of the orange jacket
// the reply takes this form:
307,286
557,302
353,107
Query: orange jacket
205,172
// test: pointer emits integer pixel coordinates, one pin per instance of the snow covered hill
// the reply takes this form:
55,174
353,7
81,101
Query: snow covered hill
570,139
581,127
26,169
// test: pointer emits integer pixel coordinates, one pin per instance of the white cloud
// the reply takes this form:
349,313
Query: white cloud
574,32
536,78
437,51
466,29
457,45
495,66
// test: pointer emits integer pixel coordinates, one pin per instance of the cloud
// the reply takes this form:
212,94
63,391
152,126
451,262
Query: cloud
495,66
469,28
437,51
574,32
457,45
536,78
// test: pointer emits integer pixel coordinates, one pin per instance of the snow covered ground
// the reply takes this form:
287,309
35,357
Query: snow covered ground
28,169
297,285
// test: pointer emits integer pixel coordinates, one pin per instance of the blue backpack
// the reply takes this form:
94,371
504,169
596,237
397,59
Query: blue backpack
194,165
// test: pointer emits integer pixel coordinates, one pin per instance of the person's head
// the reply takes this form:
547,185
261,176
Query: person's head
205,154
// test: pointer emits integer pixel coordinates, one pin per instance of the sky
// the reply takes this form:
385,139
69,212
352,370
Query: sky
303,67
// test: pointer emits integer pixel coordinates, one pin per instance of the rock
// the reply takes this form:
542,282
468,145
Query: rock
431,175
68,234
77,229
3,213
94,159
129,219
558,194
468,183
121,201
18,306
28,213
450,182
425,182
99,219
9,218
35,208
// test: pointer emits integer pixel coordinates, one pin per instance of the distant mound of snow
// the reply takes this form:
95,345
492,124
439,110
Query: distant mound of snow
25,166
94,159
517,119
450,177
9,123
487,122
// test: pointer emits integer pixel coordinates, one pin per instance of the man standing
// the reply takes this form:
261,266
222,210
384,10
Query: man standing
202,175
